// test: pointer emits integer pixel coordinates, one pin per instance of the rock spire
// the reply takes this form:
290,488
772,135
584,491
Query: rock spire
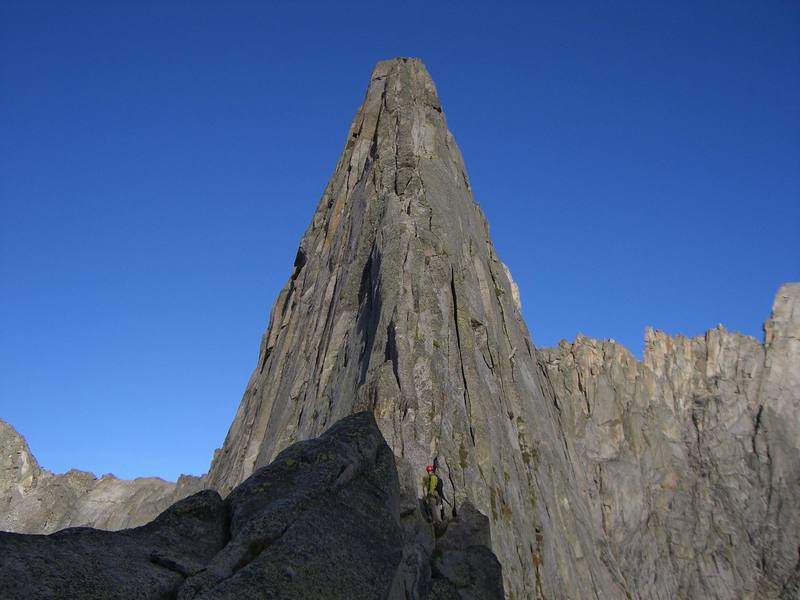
398,304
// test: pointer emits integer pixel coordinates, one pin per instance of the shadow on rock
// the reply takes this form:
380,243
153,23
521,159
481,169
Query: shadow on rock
328,519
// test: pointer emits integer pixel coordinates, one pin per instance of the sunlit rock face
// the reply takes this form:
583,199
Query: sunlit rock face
691,459
34,500
398,304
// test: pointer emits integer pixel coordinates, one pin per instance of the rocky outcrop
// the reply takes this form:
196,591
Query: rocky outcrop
34,500
322,521
398,304
691,458
148,562
464,567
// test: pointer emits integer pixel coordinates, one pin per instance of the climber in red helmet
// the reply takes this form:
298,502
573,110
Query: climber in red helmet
432,493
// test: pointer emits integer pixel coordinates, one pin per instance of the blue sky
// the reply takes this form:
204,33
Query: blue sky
639,164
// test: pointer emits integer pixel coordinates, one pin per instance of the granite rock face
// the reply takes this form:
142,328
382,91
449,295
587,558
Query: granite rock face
691,458
398,304
34,500
322,521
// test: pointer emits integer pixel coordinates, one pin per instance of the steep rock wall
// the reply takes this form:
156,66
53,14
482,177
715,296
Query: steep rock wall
691,458
398,304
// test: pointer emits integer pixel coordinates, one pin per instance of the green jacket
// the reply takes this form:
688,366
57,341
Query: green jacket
429,484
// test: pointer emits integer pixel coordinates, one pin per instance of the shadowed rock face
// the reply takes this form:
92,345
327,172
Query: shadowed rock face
462,559
398,304
691,459
149,562
322,521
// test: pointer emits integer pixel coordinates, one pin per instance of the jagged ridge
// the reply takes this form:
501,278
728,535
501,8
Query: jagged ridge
690,458
34,500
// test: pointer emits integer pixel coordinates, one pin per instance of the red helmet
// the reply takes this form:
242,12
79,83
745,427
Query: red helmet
429,468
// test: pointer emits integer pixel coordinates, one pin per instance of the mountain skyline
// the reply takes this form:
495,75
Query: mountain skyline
153,198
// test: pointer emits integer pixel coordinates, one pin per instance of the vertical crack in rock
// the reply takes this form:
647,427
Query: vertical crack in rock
391,351
459,349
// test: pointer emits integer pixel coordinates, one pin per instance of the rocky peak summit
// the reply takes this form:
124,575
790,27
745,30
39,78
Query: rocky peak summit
383,219
398,304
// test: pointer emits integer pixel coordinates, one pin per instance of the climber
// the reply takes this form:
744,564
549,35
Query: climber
433,493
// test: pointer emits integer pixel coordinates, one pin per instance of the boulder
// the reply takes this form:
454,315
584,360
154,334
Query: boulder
464,567
322,521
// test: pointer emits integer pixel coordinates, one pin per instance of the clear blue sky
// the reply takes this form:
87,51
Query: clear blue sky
639,164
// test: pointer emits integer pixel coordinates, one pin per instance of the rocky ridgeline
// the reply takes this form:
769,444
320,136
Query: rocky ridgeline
326,520
34,500
691,459
602,477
